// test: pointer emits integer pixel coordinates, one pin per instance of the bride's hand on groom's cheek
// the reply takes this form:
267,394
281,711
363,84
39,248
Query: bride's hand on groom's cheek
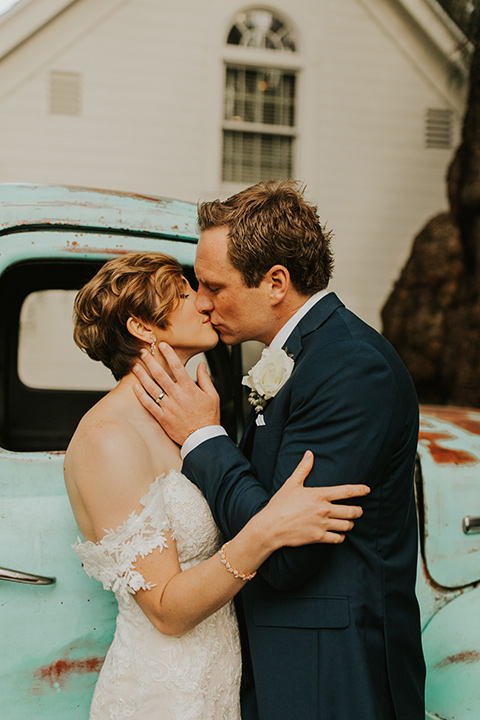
178,404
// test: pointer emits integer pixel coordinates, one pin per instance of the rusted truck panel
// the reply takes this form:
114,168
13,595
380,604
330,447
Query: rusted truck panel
55,631
448,495
55,623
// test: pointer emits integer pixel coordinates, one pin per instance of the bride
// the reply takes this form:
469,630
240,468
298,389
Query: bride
149,534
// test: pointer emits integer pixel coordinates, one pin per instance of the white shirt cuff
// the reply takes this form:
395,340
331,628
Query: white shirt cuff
199,436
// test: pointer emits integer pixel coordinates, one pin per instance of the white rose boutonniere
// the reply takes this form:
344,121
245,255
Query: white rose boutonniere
268,376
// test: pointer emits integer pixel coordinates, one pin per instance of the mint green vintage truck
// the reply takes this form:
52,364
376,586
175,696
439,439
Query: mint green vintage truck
55,623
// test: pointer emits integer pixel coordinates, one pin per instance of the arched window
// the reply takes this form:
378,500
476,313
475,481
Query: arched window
259,122
261,29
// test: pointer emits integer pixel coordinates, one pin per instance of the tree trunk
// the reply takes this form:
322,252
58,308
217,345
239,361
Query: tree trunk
432,316
464,173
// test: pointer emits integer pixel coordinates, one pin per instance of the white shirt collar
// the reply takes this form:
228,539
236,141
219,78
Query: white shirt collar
284,333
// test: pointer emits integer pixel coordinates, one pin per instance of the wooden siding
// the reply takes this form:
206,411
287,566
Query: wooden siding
151,111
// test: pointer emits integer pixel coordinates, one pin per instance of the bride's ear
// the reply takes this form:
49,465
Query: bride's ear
138,329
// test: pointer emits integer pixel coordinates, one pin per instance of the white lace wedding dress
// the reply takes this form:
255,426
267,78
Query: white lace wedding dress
147,675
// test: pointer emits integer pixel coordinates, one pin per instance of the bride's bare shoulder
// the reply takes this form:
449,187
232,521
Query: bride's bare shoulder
108,469
104,437
103,419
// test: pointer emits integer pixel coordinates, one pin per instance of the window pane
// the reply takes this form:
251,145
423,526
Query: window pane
260,95
47,354
251,157
260,28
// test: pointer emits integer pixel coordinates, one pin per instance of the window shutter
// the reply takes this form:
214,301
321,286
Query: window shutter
65,93
438,128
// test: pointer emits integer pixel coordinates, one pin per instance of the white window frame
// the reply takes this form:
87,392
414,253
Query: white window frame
261,58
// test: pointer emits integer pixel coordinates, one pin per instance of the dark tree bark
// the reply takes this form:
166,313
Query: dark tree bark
432,316
464,173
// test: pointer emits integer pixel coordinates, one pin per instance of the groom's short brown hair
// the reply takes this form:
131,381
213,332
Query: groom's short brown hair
269,224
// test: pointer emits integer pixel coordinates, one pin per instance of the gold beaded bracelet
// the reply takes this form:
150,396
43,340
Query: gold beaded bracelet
239,575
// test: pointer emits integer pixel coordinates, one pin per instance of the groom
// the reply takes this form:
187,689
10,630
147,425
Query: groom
329,632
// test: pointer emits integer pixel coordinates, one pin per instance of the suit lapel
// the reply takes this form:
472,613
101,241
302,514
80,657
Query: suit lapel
315,317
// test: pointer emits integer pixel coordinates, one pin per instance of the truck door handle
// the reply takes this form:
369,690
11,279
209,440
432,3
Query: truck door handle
471,525
21,577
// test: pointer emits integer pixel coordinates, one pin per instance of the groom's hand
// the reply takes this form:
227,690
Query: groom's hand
176,402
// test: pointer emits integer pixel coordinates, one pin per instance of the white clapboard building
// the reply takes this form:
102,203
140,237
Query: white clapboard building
196,99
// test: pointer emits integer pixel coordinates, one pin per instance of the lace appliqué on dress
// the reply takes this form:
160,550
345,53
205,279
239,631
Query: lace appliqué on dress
111,559
147,674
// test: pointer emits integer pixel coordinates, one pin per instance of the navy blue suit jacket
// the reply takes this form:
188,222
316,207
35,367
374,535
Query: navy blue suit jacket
329,632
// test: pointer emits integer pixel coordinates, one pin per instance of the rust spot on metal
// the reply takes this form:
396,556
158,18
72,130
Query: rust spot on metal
117,193
465,418
442,455
56,672
75,248
468,657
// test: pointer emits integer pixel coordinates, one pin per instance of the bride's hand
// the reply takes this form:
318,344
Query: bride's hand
305,515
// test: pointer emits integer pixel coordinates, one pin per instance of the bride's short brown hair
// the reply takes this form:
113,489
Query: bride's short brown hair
144,285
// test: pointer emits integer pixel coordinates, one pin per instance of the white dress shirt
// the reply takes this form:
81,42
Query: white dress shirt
211,431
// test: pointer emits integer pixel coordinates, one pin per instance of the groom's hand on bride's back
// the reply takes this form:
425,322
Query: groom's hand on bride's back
177,403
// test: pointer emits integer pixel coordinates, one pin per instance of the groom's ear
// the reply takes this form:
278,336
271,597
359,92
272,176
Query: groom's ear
278,283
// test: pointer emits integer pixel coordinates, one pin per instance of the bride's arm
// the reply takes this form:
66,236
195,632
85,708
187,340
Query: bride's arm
294,516
115,474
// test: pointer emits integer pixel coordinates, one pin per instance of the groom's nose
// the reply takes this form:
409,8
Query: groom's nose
203,302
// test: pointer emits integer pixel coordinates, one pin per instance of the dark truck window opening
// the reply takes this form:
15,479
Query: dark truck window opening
47,383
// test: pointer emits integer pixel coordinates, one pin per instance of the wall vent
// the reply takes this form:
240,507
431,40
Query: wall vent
65,93
438,128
